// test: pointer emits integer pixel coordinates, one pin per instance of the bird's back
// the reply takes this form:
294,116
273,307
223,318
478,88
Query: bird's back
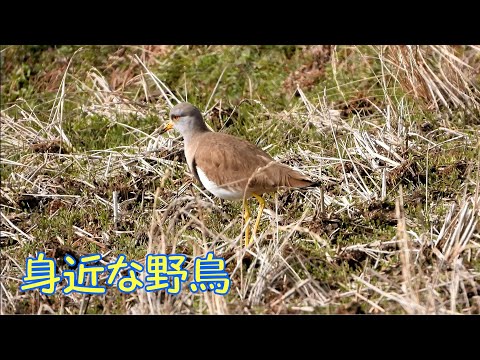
236,164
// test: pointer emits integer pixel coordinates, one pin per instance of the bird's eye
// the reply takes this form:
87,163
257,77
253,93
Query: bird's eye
175,117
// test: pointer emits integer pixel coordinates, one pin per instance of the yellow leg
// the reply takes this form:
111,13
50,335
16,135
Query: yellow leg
246,217
260,211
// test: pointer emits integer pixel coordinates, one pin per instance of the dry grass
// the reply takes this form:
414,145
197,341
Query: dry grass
394,228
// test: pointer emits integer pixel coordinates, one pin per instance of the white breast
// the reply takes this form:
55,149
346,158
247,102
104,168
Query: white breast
219,191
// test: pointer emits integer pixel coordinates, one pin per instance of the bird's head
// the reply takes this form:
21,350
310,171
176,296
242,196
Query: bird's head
186,119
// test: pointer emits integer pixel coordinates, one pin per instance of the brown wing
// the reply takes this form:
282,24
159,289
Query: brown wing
232,162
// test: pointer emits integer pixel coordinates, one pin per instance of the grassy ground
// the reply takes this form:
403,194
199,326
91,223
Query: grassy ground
393,133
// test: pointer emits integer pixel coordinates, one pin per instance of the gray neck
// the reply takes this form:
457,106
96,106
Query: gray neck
189,128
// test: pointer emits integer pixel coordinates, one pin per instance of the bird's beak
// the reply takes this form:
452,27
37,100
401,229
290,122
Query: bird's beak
167,127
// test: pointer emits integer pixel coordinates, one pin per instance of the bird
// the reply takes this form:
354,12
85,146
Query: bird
229,167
